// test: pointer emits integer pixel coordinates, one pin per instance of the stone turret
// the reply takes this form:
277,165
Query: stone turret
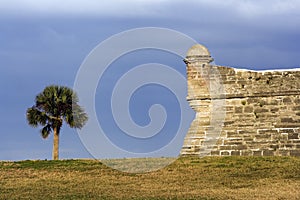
199,78
198,54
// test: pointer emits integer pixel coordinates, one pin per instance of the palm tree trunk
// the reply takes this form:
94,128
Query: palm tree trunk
55,144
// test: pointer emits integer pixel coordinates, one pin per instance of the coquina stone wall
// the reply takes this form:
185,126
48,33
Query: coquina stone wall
241,112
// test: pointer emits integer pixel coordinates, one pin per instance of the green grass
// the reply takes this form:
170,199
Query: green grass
186,178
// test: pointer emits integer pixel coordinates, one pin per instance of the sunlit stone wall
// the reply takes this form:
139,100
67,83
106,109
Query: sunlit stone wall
241,112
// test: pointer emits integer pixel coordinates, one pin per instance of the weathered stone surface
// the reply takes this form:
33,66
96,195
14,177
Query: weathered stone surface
257,153
293,136
235,153
268,153
295,153
253,113
225,153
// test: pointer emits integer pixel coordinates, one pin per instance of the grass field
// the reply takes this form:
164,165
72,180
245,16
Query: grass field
186,178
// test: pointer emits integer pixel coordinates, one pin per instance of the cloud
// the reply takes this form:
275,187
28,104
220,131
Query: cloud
79,7
252,8
219,24
245,8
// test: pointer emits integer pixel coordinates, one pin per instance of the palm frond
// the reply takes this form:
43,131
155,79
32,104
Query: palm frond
76,118
36,117
46,130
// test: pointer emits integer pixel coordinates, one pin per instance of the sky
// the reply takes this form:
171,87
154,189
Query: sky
45,42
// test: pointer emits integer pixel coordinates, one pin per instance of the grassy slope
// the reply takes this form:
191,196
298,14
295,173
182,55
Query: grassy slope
187,178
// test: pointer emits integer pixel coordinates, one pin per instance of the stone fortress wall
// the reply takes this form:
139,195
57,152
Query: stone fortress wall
241,112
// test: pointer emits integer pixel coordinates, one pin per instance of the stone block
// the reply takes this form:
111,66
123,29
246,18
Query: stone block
219,142
241,147
248,139
225,153
297,100
226,123
261,110
288,146
274,110
286,100
292,136
280,137
295,153
233,142
244,132
296,108
263,136
251,101
235,153
287,120
257,153
215,153
274,146
227,147
246,153
204,123
268,153
238,109
273,102
283,152
267,131
286,125
229,108
284,130
248,109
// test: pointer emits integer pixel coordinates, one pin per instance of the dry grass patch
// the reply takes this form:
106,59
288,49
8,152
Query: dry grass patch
186,178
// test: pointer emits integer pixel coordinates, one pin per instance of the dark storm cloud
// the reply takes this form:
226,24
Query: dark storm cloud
238,32
250,34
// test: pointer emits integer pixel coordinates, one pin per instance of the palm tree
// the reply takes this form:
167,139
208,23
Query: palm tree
53,106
